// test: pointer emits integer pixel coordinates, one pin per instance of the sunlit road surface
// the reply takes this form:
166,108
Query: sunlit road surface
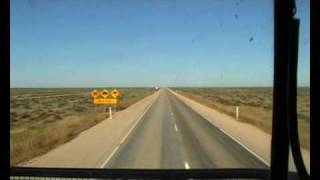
171,135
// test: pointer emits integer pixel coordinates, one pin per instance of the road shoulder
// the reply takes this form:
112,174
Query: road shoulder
250,136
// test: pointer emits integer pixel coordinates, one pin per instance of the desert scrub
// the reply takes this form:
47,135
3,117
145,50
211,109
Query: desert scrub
39,139
51,121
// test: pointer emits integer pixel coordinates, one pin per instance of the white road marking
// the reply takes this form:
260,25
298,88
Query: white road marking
109,157
245,147
233,138
135,124
124,138
186,165
175,127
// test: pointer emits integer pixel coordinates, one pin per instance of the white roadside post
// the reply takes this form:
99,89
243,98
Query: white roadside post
110,112
237,112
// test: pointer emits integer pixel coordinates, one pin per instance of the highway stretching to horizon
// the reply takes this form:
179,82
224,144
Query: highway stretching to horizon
171,135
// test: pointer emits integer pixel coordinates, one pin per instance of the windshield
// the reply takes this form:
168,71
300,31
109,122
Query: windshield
147,84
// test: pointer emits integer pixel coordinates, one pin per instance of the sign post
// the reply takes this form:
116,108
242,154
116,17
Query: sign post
106,98
110,112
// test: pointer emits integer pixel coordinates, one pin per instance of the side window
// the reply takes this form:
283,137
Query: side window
303,99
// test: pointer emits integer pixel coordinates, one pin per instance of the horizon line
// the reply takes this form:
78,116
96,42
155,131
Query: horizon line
84,87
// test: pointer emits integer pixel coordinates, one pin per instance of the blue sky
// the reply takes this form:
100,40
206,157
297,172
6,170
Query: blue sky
80,43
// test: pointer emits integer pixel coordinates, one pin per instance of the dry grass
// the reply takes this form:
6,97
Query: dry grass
40,124
255,106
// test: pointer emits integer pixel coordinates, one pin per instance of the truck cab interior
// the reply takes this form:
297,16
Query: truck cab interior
285,134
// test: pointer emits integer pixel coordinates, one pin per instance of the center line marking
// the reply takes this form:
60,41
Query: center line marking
175,127
186,165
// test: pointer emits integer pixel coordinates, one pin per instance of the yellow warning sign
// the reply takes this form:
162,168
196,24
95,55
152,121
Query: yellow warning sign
104,97
95,93
105,93
105,101
115,93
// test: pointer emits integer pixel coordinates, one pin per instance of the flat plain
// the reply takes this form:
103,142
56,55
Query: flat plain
42,119
255,106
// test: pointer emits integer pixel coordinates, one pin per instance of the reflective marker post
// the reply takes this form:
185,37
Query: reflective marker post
237,112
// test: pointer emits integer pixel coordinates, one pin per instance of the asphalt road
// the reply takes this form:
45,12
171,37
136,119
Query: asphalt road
171,135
